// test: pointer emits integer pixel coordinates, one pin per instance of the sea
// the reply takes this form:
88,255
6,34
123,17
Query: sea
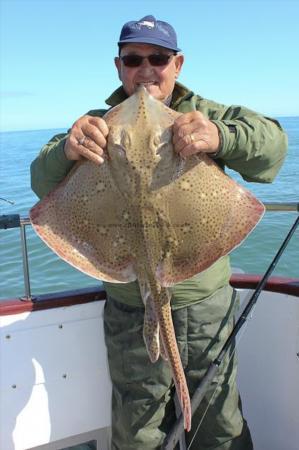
48,273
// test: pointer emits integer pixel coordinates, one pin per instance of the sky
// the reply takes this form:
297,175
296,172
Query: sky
56,56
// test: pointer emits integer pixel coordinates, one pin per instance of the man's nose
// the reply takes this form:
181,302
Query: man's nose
145,63
146,68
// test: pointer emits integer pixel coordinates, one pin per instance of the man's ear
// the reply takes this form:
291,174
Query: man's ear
179,61
117,63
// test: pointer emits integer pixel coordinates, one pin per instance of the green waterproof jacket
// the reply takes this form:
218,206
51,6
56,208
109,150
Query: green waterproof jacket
253,145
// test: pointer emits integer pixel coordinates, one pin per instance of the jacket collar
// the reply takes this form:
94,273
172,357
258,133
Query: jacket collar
179,94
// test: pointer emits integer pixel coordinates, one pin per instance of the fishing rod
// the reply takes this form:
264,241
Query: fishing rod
178,428
7,201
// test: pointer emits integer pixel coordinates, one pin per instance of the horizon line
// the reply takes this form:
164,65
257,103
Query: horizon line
67,127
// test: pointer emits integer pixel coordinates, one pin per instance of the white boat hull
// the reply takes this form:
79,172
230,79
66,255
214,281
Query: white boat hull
55,386
54,376
268,375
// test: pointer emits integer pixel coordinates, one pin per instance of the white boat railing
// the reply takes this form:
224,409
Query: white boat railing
17,221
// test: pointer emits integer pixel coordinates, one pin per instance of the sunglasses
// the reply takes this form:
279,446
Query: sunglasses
156,59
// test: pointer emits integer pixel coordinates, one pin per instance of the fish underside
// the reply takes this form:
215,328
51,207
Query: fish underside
147,214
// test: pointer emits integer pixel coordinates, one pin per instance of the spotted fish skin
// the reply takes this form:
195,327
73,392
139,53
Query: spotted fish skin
159,333
146,214
161,300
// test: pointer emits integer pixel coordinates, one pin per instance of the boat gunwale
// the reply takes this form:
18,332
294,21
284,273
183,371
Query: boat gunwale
278,284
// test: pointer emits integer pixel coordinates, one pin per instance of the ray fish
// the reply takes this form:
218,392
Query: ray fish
146,214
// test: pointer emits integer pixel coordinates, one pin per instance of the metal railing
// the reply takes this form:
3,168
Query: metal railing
16,221
276,206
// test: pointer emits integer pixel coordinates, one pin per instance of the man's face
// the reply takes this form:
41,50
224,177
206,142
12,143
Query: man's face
158,80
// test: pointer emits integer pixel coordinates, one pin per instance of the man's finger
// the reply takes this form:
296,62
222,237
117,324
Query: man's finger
93,133
96,157
180,143
100,124
187,118
184,131
196,147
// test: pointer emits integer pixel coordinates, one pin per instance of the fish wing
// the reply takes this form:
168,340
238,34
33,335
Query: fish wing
85,221
208,215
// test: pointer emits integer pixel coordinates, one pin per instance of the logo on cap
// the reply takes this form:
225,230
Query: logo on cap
146,23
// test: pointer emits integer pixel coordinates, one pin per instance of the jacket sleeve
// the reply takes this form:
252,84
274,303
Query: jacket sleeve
51,165
253,145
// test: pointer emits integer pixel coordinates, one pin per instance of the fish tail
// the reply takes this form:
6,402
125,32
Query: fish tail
151,333
151,325
185,403
171,349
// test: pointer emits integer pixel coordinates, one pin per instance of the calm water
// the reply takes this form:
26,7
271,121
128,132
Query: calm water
50,274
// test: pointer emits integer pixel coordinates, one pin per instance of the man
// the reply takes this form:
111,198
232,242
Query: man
204,306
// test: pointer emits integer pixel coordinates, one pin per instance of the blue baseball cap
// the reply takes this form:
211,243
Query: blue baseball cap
149,30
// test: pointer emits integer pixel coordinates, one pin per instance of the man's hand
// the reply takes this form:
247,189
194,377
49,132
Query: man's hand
87,139
194,133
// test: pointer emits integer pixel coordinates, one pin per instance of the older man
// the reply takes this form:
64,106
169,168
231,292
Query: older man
204,306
